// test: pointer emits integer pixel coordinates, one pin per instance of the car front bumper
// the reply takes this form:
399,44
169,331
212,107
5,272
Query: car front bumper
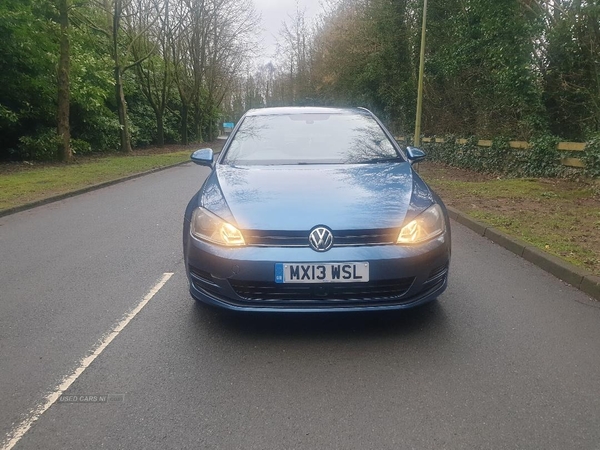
243,279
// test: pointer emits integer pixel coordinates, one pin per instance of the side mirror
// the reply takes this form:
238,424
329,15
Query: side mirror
415,155
203,157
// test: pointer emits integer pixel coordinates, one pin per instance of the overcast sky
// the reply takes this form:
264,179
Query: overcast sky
274,13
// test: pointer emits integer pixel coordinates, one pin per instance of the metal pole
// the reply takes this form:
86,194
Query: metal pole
417,140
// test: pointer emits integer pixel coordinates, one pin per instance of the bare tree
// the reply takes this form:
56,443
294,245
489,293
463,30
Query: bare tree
294,45
114,13
232,44
121,39
214,43
154,72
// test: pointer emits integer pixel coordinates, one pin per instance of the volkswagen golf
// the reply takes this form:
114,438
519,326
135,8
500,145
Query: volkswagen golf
314,209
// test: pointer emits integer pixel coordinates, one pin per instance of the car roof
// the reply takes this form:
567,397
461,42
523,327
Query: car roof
288,110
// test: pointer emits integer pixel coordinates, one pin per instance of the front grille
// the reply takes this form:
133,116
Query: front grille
341,238
276,238
374,290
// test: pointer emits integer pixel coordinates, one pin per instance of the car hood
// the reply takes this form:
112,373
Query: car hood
342,197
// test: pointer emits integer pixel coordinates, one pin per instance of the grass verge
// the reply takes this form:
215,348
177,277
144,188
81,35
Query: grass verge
25,184
560,217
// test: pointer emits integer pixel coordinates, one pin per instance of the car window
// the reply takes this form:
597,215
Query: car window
311,138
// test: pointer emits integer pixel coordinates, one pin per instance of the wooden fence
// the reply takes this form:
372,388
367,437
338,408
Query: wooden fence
569,161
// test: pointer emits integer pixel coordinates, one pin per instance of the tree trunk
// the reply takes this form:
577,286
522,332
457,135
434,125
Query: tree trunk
114,21
64,131
160,129
198,125
197,118
122,108
184,124
211,130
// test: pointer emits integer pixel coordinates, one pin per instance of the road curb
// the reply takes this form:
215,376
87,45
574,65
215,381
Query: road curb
56,198
569,273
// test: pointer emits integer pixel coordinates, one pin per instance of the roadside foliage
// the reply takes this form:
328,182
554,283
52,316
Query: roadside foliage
162,71
503,70
141,71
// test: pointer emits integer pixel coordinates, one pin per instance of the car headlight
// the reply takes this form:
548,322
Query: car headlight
208,227
429,224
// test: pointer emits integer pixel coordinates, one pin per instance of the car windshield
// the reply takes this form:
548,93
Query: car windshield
310,138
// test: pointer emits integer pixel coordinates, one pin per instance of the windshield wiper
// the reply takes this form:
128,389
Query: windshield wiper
382,160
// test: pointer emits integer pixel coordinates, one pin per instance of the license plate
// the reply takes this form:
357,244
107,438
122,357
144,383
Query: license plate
351,272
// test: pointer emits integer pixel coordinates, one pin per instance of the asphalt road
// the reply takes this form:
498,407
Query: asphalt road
508,357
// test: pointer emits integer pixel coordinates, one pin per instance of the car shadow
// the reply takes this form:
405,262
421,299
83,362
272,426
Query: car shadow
339,325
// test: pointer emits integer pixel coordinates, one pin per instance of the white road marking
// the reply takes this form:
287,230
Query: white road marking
19,431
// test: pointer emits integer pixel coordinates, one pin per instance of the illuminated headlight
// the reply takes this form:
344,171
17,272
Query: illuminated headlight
426,226
208,227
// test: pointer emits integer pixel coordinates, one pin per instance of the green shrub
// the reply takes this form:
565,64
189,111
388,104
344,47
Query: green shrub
42,145
543,159
449,149
80,147
101,131
470,156
591,157
498,157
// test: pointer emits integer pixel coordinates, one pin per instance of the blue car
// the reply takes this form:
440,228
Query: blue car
314,210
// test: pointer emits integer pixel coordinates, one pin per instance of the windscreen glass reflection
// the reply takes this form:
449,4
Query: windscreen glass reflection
310,139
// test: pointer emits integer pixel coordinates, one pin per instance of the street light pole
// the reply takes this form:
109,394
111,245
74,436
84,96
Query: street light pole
417,140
